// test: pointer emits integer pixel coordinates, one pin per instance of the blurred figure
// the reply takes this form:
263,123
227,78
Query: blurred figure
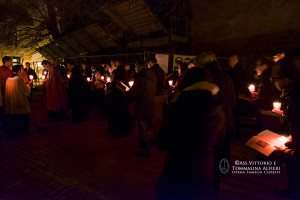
266,92
17,107
29,71
159,99
99,86
77,93
5,72
143,92
226,95
286,77
193,127
119,122
60,68
237,74
85,70
56,93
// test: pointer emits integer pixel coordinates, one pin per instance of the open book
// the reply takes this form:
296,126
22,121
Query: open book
266,141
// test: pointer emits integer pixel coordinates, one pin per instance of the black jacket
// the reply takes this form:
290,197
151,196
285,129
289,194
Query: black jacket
191,130
143,92
30,72
77,89
160,79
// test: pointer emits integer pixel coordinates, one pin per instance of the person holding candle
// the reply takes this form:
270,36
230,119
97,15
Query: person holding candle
266,92
77,92
56,93
142,93
5,72
17,107
286,77
119,120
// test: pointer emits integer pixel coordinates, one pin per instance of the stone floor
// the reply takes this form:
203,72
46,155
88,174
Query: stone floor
62,160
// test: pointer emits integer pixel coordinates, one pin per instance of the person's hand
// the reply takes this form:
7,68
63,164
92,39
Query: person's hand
30,82
254,95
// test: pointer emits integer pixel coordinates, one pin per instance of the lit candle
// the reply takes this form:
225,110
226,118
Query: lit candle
130,83
108,79
68,75
45,72
31,77
88,79
276,106
43,77
251,88
102,77
170,82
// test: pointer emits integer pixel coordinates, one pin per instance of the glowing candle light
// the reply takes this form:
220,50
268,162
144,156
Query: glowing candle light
88,79
68,75
276,106
43,77
31,77
130,83
102,77
170,82
251,88
108,79
45,72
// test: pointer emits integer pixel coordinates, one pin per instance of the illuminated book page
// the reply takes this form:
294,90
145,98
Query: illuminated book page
271,137
261,145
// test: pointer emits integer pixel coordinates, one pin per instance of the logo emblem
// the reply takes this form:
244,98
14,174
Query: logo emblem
224,166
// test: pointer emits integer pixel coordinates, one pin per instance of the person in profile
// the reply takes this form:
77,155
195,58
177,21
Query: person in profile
192,129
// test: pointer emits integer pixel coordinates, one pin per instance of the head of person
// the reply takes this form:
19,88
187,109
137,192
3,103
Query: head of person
46,64
182,69
205,58
278,55
233,60
27,65
287,72
52,61
7,61
261,65
195,75
191,64
117,62
70,65
83,66
93,68
127,67
140,65
16,69
151,61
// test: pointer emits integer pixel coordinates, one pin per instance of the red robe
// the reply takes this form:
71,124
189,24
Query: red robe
56,91
4,74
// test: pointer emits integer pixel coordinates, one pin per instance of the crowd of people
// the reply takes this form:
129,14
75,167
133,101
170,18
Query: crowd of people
194,117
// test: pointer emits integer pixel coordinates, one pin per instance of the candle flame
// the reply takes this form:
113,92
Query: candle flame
130,83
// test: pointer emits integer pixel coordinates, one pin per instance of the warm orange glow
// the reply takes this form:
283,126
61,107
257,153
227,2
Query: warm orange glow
102,77
251,88
170,82
68,75
276,106
108,79
45,73
43,77
31,77
88,79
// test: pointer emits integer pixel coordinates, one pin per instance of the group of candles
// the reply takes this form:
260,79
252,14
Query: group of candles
276,105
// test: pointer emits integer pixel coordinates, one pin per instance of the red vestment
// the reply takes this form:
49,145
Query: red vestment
56,91
4,74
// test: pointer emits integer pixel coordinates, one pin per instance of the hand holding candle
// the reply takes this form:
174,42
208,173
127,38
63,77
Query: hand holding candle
170,82
251,88
68,76
88,79
102,77
31,77
276,107
130,83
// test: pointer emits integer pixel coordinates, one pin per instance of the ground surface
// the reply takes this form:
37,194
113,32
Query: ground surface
62,160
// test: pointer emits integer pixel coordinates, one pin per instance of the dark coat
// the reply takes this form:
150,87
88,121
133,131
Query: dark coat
160,78
78,93
237,75
143,92
191,130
